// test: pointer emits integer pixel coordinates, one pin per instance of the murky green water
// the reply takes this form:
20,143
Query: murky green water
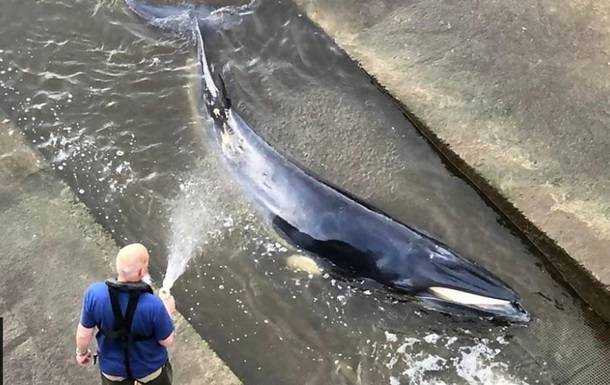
108,102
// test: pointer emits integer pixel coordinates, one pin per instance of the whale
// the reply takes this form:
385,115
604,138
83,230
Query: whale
357,239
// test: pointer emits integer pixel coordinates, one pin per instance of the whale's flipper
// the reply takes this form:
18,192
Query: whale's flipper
442,298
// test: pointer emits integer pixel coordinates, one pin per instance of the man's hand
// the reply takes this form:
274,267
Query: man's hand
83,359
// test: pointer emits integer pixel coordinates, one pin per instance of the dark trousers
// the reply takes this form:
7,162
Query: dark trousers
165,378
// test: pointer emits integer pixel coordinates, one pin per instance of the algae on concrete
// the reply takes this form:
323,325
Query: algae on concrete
51,250
519,91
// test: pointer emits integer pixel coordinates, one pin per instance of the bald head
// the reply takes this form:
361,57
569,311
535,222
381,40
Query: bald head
132,263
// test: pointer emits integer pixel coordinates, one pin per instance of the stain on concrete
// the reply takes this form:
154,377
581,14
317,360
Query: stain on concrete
519,92
51,249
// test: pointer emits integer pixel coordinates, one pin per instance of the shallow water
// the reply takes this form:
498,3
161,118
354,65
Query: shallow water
108,101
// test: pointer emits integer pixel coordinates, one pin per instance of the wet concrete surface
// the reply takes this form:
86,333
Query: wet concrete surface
51,250
517,93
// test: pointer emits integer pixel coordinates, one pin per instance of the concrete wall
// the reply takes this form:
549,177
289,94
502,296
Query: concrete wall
51,249
516,94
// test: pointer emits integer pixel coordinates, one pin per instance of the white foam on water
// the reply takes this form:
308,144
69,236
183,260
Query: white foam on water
432,338
411,363
477,366
408,342
390,337
418,368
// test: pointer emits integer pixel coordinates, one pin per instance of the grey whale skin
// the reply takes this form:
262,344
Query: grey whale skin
320,218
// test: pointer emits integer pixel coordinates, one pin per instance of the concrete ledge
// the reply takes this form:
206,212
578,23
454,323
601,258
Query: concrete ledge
51,249
512,94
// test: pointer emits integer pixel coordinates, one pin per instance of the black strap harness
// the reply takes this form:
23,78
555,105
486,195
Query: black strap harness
121,330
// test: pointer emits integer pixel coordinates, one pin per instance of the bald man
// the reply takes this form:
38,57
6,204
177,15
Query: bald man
134,326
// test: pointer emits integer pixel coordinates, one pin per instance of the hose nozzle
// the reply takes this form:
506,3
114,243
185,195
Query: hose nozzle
164,292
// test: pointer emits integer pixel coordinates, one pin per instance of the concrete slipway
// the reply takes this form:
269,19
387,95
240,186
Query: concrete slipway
516,95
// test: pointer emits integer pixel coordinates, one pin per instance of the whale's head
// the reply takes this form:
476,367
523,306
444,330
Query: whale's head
444,281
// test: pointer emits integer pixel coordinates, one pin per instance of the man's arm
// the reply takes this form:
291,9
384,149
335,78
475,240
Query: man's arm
84,331
168,301
165,326
83,337
169,341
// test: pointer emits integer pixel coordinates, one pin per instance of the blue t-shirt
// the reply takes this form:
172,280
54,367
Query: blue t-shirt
150,318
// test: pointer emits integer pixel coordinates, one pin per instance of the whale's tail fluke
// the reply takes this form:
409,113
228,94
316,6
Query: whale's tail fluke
190,19
177,18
